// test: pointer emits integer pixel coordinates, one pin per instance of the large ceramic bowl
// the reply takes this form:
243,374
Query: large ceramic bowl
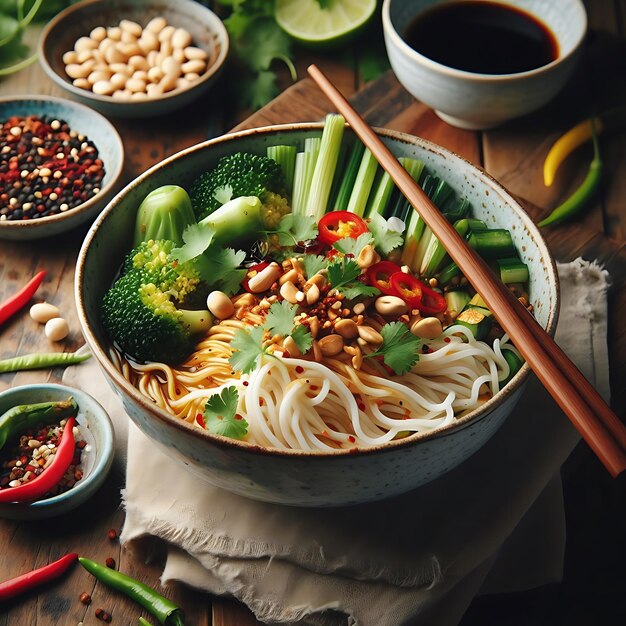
294,477
110,149
472,100
78,20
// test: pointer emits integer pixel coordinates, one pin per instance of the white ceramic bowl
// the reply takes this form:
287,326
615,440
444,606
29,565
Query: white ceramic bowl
97,430
481,101
294,477
78,20
110,149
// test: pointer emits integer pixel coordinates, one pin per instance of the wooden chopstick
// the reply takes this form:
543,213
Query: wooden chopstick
595,421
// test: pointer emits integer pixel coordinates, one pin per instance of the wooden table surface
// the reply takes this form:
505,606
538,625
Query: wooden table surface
513,154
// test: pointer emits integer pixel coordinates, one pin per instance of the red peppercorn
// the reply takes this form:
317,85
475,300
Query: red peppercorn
85,598
110,563
112,534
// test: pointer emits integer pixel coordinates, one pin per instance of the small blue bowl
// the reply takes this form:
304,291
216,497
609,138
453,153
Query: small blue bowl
87,122
96,428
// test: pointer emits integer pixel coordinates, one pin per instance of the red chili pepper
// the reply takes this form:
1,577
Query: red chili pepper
15,586
253,271
50,477
408,288
21,298
337,225
432,302
379,275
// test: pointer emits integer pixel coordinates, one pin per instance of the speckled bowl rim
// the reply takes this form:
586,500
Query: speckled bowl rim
88,205
403,47
65,83
104,457
102,357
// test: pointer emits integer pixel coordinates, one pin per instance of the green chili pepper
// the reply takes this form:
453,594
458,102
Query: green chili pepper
144,622
587,190
24,416
41,360
168,613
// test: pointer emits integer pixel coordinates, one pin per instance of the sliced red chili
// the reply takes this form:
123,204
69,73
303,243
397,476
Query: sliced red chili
337,225
21,298
379,276
408,288
253,271
432,302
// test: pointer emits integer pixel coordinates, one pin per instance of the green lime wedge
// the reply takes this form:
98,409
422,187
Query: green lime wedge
323,22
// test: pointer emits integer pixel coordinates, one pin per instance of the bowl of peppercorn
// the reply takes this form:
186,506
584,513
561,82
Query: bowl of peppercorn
60,163
56,449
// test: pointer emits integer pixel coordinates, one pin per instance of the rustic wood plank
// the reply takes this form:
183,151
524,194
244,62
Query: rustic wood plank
229,613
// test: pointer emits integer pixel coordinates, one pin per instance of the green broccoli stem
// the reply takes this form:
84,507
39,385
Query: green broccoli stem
239,220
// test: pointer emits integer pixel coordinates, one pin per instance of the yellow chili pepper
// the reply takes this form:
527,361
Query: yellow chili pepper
566,144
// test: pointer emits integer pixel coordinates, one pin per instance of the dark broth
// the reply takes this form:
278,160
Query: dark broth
482,37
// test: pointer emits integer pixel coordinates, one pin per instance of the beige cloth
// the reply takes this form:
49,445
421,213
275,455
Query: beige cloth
495,523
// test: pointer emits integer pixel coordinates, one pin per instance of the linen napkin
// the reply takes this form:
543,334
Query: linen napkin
495,523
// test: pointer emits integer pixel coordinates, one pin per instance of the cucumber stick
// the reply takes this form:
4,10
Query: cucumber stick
495,243
512,270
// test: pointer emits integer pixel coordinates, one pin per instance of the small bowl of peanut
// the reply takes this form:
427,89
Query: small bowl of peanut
134,58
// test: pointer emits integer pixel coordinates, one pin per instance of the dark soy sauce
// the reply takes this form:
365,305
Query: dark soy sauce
482,37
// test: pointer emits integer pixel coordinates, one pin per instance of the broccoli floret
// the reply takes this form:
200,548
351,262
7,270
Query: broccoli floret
142,313
240,174
274,208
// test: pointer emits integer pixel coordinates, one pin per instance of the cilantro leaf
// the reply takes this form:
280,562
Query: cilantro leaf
313,263
221,416
219,267
257,90
343,272
197,238
294,228
386,238
280,319
399,348
249,349
358,290
348,245
302,338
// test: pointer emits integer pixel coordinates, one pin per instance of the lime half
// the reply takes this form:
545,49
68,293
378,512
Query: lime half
309,23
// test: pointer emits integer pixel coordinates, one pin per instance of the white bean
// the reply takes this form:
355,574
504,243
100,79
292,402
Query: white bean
168,82
156,24
136,85
113,54
138,62
121,68
103,88
154,90
98,75
70,57
166,34
84,55
43,312
181,38
148,41
131,27
220,305
170,65
118,80
74,70
56,329
196,66
98,33
81,83
128,37
85,43
155,74
193,53
115,33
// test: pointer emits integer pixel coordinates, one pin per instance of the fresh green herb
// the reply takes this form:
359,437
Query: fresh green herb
295,228
197,238
313,263
385,237
220,267
221,417
223,194
279,320
258,41
399,348
343,276
248,346
302,338
353,247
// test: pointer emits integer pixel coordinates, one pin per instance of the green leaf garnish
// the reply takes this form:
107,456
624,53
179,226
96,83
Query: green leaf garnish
359,290
219,267
220,413
343,272
223,194
280,319
313,263
399,348
197,238
248,346
348,245
294,228
302,338
386,239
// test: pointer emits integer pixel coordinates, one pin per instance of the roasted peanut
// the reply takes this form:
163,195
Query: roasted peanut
290,345
347,328
331,345
427,328
290,292
43,312
367,257
370,335
312,294
390,305
220,305
264,279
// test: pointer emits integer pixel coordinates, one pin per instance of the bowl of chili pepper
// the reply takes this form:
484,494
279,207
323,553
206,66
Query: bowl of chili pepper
56,449
60,163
